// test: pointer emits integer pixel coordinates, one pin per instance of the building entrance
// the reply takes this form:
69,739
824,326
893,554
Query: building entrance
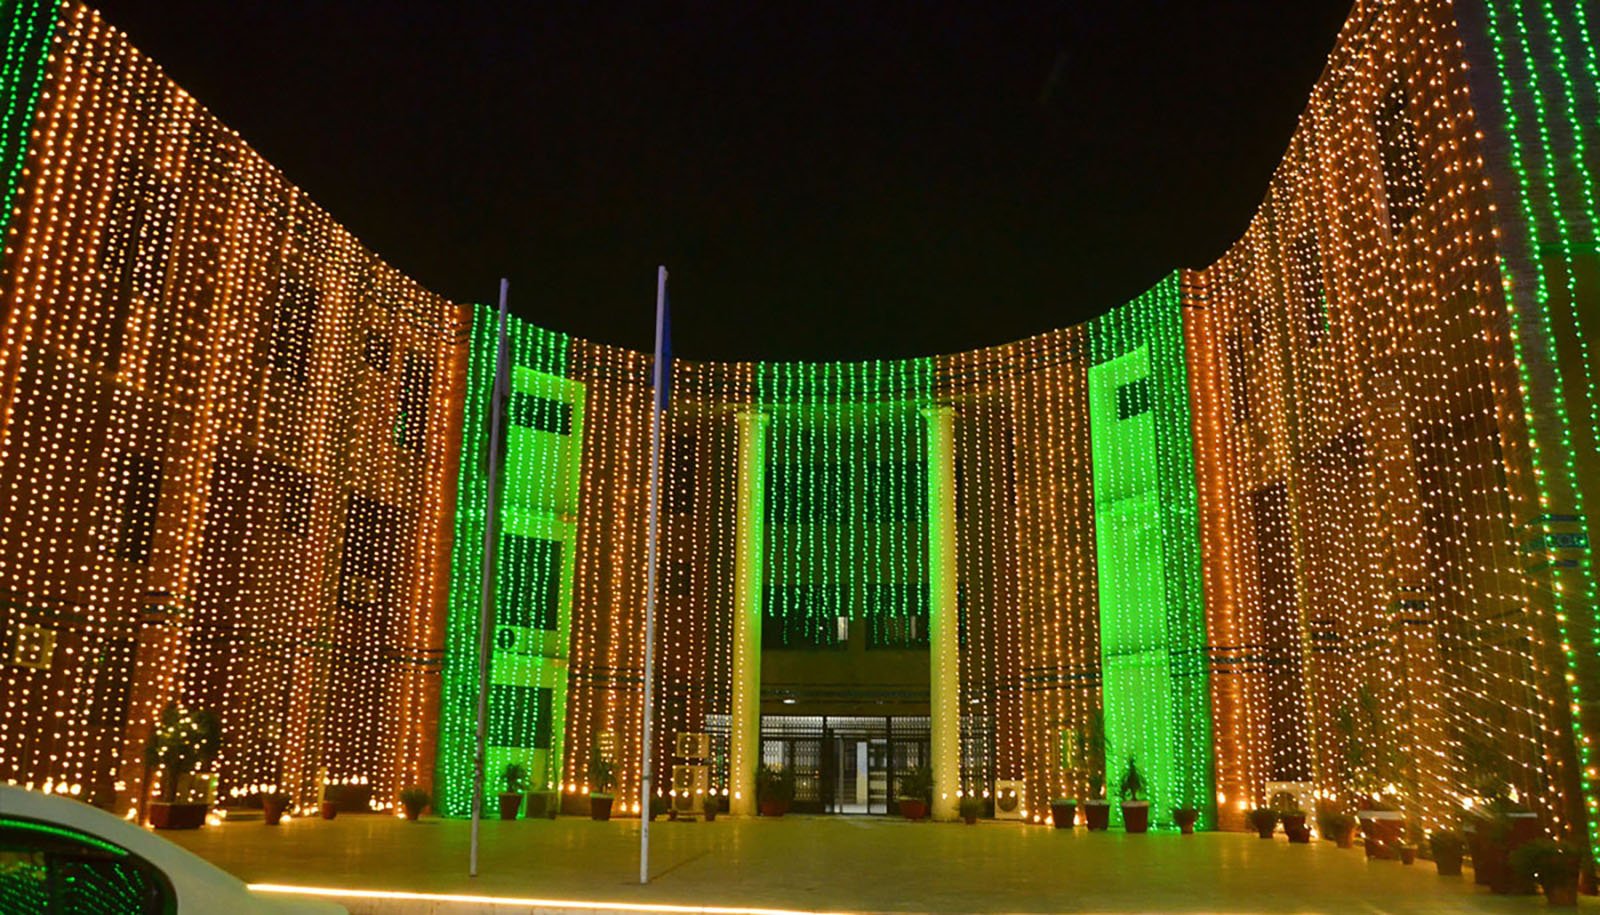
845,764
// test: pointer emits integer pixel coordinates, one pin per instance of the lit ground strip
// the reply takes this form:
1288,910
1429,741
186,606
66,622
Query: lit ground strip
576,904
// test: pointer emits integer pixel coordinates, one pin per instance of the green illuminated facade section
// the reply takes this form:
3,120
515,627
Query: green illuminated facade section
1547,79
846,501
534,563
27,27
1155,690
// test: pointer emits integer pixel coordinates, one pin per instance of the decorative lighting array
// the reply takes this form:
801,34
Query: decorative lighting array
1345,462
226,430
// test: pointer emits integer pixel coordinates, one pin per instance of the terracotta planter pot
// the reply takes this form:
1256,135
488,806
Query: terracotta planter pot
412,812
1565,895
543,804
600,806
177,816
1294,826
1097,814
1382,830
510,805
711,812
1064,814
1408,855
328,809
1448,865
1185,819
970,820
772,807
1136,816
1491,859
913,808
272,808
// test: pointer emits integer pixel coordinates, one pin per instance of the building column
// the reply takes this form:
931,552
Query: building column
744,724
944,631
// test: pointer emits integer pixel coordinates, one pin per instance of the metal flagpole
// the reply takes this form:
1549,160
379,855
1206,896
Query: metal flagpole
491,531
656,410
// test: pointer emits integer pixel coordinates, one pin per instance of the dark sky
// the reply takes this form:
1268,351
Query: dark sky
824,180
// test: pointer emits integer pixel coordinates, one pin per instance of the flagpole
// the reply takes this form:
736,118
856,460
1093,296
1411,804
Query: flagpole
656,408
491,530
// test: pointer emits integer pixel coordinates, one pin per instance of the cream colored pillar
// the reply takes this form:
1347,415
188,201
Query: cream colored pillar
944,634
744,726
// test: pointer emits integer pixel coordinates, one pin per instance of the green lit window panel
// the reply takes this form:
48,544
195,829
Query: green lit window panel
1133,398
542,414
522,716
530,582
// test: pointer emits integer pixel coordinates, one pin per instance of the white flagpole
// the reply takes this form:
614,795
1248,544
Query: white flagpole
491,530
650,567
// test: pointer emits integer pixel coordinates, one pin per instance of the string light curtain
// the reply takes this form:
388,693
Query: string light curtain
242,461
227,439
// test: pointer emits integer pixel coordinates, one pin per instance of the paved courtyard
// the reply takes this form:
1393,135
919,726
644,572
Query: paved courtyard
835,864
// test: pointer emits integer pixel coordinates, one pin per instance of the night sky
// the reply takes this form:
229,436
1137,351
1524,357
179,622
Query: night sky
823,180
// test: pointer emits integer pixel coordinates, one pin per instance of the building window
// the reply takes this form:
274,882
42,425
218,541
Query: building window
1133,398
1306,262
680,476
136,482
375,351
1397,149
521,716
530,578
292,324
541,414
412,422
296,508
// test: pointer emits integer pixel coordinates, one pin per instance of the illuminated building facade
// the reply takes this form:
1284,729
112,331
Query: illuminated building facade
1344,467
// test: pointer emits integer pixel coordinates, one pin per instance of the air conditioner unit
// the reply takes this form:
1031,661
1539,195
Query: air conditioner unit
689,787
35,647
1009,801
692,746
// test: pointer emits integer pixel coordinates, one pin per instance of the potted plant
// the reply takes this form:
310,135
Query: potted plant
602,778
1064,812
774,790
1554,865
658,806
273,804
1294,824
1096,808
413,800
1448,848
915,788
182,743
1497,831
516,780
1185,817
1336,826
709,804
1264,820
1135,809
1407,852
971,809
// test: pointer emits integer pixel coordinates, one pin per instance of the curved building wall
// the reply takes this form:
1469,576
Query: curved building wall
1310,519
228,448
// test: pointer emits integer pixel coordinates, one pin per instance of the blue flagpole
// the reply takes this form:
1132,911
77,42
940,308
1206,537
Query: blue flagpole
657,407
